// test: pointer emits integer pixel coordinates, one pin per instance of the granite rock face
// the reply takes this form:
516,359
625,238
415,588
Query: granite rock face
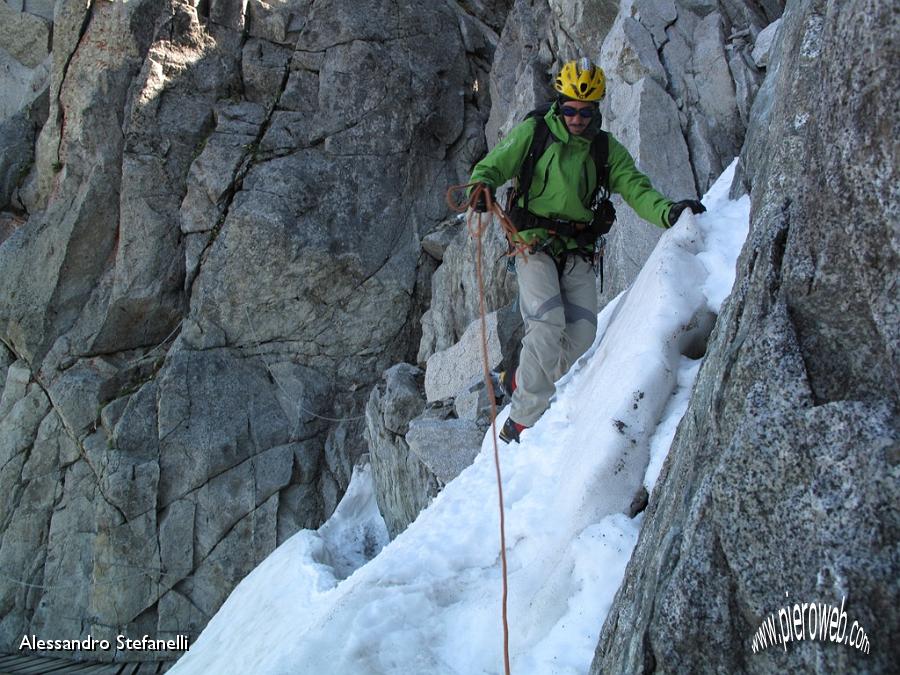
680,82
446,447
782,484
418,446
518,74
451,371
24,103
403,483
224,202
455,297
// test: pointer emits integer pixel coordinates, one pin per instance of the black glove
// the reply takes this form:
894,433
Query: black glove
678,208
481,202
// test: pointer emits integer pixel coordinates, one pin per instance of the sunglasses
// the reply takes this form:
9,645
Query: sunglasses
569,111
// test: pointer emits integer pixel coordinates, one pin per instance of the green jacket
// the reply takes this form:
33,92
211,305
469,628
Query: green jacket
565,176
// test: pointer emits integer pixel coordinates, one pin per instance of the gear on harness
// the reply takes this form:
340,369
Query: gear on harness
599,250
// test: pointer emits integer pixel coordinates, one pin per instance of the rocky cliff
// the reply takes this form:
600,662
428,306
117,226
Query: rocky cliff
221,222
782,485
211,224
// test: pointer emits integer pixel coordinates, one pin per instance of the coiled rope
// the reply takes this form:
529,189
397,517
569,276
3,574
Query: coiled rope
476,224
516,246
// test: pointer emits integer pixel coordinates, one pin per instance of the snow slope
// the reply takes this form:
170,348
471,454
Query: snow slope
429,602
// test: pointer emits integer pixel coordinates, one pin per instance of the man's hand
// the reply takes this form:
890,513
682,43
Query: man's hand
678,208
481,202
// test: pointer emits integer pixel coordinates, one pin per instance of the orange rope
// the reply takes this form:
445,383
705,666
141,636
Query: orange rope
516,246
475,218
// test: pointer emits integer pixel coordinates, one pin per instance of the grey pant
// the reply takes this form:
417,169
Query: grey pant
560,314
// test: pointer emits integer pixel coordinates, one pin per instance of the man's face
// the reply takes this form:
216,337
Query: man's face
575,123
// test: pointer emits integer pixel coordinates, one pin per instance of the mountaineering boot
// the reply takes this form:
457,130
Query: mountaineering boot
511,431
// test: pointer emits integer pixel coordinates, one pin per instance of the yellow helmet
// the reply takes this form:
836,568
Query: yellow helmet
581,80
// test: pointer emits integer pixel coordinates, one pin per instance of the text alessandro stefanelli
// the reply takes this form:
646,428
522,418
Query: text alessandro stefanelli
146,643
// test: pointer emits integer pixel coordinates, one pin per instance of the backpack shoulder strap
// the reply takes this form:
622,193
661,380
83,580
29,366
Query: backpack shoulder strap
539,142
604,211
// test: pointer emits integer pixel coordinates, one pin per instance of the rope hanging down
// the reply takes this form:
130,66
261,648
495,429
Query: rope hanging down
476,225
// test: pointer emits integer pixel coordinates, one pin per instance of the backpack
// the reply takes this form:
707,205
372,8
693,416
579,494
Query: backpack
602,207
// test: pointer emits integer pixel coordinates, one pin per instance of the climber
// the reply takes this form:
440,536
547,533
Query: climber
557,229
